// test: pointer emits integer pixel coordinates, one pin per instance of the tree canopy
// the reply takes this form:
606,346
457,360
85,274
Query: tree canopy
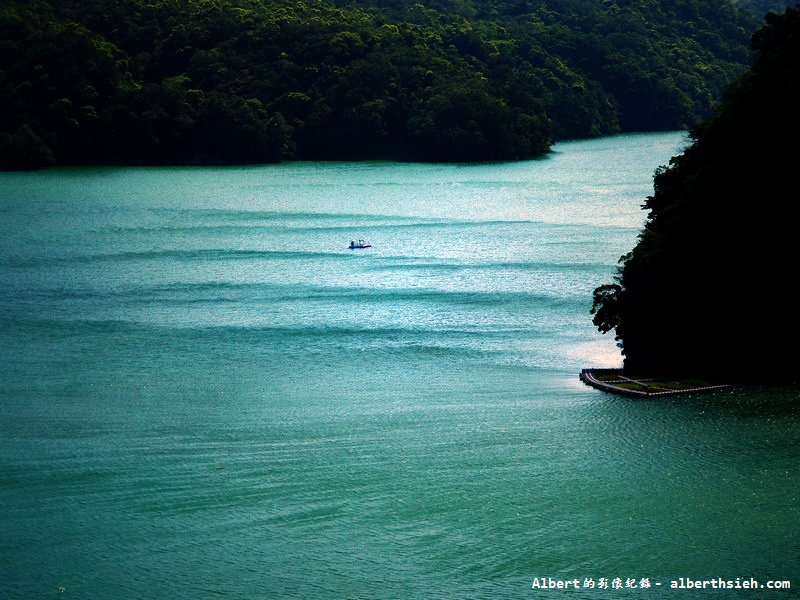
709,288
225,81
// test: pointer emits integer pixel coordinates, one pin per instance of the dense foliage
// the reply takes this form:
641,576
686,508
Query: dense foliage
202,81
709,288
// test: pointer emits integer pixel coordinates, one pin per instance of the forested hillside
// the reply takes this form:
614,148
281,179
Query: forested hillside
710,288
225,81
762,7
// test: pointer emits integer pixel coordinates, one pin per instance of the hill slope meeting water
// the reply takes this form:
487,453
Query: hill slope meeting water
258,81
709,287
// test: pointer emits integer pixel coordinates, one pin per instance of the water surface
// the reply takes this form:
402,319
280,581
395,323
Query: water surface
206,394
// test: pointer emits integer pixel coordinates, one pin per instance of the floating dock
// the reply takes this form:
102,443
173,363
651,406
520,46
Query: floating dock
614,382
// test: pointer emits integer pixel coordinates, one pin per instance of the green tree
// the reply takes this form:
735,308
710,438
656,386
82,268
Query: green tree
163,81
708,290
23,150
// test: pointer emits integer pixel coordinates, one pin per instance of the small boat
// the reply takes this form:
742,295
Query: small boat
359,244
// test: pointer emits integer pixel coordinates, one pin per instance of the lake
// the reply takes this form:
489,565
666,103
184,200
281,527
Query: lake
205,393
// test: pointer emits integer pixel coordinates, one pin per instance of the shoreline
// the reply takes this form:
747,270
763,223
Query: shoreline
614,382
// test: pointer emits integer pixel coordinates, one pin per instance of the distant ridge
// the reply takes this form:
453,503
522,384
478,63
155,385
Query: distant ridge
258,81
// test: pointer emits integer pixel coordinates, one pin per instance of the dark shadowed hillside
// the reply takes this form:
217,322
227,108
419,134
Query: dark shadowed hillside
709,289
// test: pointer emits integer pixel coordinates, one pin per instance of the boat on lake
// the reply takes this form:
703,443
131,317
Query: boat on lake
359,244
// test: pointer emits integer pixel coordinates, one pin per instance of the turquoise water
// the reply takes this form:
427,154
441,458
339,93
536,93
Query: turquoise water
204,393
